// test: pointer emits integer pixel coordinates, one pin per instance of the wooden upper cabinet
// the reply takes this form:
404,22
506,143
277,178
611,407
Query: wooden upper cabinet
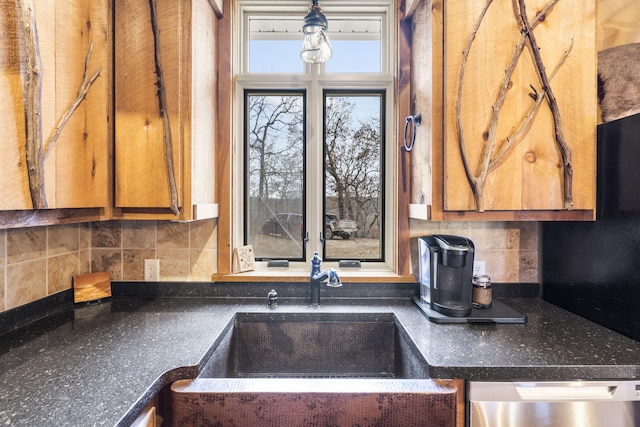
55,97
165,107
509,115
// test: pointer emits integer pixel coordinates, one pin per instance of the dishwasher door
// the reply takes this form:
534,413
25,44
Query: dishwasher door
551,404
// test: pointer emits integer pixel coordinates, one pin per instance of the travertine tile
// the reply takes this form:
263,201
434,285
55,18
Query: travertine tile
60,271
133,263
107,260
529,266
203,264
62,239
26,282
497,265
2,289
489,235
513,237
139,234
25,244
106,234
529,235
204,234
174,264
173,235
84,236
84,261
3,247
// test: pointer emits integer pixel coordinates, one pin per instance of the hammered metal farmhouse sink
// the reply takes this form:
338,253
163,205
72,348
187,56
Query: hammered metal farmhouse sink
314,369
294,345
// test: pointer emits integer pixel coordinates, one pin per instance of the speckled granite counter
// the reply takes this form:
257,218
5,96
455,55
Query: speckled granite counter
100,364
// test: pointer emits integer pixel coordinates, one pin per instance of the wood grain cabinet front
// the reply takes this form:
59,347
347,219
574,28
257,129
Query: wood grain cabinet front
55,97
507,94
165,109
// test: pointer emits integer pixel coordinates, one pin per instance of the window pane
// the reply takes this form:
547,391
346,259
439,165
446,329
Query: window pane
353,176
361,56
274,45
274,136
356,45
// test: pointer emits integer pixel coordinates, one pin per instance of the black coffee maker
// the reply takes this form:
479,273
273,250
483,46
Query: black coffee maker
446,274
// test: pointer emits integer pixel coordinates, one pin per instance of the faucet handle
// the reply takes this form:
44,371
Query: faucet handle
334,279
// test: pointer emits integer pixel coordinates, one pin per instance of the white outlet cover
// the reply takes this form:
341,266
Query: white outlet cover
478,268
151,270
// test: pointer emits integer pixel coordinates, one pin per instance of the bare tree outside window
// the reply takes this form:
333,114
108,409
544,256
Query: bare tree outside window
353,161
275,174
353,178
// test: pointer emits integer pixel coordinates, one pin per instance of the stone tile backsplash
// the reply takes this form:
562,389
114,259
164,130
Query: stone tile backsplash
509,249
40,261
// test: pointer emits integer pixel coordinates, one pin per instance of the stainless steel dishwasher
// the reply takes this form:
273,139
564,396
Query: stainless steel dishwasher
551,404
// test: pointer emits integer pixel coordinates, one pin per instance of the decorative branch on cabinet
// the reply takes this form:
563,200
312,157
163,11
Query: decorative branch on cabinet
35,154
490,158
82,93
162,100
563,147
33,98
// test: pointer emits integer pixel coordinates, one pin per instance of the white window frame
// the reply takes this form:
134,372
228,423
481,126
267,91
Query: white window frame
314,80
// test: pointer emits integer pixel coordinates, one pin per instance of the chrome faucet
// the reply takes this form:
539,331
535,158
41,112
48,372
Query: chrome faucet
317,277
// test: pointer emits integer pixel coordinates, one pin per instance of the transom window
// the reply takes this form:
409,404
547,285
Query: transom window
313,139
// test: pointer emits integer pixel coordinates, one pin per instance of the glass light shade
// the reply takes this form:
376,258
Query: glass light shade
315,45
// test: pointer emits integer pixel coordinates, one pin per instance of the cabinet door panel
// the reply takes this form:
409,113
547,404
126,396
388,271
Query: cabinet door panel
142,179
529,176
70,177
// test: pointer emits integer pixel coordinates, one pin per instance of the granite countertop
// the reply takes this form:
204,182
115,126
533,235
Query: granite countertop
101,364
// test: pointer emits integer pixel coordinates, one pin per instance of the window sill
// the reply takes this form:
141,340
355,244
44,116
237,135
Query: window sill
298,275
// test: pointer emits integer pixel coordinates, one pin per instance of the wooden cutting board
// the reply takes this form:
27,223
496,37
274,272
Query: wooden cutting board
91,286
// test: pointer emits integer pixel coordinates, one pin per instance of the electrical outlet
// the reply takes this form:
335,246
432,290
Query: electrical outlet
151,270
478,268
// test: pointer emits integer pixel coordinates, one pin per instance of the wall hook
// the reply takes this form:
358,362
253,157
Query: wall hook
415,122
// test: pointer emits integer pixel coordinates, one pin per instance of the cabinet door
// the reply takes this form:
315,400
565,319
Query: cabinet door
151,88
466,65
166,107
55,124
520,105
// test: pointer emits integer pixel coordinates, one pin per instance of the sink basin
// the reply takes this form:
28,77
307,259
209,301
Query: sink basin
307,345
315,369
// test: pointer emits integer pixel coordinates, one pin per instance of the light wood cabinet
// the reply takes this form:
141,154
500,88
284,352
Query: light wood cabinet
479,83
165,109
55,150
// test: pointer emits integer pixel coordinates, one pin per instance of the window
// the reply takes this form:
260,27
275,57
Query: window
275,180
313,149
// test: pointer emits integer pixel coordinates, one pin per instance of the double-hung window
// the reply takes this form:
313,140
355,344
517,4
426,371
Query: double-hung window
314,155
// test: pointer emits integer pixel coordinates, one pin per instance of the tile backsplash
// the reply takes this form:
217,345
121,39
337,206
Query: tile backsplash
509,249
40,261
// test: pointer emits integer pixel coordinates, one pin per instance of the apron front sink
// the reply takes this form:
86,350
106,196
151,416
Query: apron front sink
314,369
294,345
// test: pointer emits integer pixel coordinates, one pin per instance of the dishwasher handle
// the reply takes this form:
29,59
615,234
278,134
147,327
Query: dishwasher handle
548,391
538,392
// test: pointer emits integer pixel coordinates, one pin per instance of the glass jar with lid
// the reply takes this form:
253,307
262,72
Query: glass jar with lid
482,294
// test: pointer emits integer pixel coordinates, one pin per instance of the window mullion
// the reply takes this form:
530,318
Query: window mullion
314,166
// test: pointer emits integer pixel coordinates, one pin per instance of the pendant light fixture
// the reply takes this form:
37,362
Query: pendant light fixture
315,46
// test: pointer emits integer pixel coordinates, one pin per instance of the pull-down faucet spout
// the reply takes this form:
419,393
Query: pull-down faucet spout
317,277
